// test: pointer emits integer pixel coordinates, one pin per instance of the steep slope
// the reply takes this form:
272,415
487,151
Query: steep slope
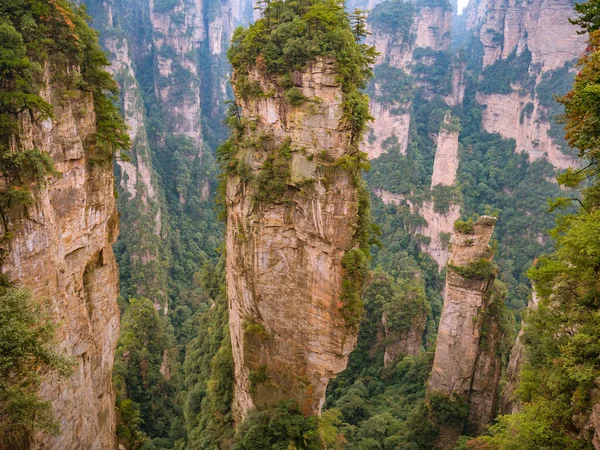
467,362
297,214
58,242
416,80
537,46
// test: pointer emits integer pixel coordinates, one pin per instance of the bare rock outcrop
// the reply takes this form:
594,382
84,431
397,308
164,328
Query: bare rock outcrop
61,249
285,249
542,26
466,364
430,28
445,164
542,30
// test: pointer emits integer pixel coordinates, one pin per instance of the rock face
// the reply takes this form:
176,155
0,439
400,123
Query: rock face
541,28
140,205
409,56
284,255
445,164
466,364
508,402
61,249
430,30
408,343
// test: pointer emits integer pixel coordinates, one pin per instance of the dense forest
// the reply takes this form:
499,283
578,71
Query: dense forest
174,372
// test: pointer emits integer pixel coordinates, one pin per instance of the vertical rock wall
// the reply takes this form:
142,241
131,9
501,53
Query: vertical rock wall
542,28
431,30
61,249
465,365
284,256
429,37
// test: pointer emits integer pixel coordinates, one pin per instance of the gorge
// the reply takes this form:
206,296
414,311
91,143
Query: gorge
314,226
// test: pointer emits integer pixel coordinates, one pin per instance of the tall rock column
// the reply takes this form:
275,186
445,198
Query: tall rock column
467,366
293,220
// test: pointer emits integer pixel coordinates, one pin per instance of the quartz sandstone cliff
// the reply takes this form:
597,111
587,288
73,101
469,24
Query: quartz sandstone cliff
61,249
466,364
429,35
542,28
284,257
431,29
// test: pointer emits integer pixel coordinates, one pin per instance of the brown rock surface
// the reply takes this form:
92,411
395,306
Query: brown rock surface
284,272
62,250
464,364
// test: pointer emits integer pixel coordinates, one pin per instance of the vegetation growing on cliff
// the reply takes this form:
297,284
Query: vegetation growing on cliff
284,427
32,34
558,382
395,17
27,346
289,35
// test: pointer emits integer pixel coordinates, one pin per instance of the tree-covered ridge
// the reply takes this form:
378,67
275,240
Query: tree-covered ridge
395,17
558,383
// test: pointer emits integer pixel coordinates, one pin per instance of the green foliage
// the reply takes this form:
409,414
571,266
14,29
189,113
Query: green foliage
551,87
375,402
256,329
294,96
209,371
538,425
405,301
142,345
464,227
247,89
355,265
561,334
526,112
274,177
497,313
589,16
28,351
445,4
495,179
258,376
445,409
445,196
479,270
164,6
434,68
282,427
393,87
499,77
290,35
32,33
393,16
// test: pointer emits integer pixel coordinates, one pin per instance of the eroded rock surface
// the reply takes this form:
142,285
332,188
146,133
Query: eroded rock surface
541,27
466,364
284,270
61,249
